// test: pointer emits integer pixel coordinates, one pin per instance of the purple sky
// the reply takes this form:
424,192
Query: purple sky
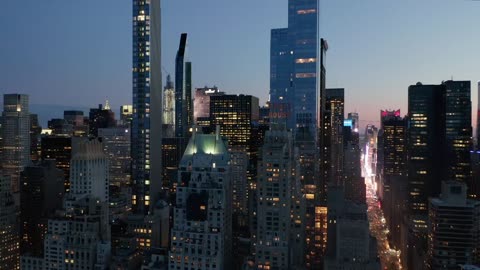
79,52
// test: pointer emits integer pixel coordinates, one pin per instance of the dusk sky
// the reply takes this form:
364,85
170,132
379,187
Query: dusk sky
79,52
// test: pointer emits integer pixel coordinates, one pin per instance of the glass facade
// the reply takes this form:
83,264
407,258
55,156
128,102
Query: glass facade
183,91
293,64
147,103
303,36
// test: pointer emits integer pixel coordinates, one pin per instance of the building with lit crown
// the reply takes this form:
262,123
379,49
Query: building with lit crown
202,230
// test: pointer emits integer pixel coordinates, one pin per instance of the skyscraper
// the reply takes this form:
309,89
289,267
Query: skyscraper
183,90
169,103
59,148
202,230
281,71
35,132
293,65
16,137
458,131
9,240
392,164
303,37
276,204
41,194
236,115
453,228
478,118
147,104
101,117
117,147
333,128
202,102
426,135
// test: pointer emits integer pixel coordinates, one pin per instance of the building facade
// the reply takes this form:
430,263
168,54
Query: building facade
202,230
147,105
453,228
16,137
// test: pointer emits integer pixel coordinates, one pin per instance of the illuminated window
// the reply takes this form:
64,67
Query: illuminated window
305,75
306,11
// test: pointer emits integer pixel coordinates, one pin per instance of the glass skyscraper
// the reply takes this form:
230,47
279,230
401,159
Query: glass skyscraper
183,91
147,104
293,64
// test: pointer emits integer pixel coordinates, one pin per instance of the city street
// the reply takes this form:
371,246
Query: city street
389,258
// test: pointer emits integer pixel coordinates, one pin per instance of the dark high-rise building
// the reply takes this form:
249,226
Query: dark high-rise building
236,115
458,131
35,132
453,228
172,152
9,240
101,117
392,165
76,120
306,162
183,91
15,136
41,193
59,148
353,182
147,105
333,127
425,136
60,127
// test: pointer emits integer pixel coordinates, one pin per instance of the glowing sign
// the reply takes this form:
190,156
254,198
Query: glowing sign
348,123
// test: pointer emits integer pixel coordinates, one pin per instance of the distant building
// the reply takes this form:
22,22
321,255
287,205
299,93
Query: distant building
9,244
183,91
355,121
116,143
333,114
35,135
202,102
353,182
202,230
101,117
392,166
79,237
41,194
147,105
58,148
236,115
440,139
169,103
16,137
76,120
126,115
453,228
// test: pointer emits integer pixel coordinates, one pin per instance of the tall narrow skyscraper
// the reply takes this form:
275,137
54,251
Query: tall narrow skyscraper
183,90
16,137
147,104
